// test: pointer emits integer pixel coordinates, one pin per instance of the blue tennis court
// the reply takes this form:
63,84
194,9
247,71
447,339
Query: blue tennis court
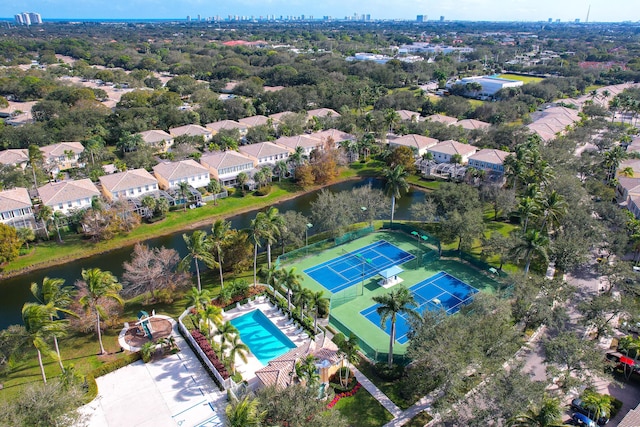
352,267
441,291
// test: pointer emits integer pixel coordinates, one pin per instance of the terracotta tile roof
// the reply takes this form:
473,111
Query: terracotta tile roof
224,159
441,119
452,147
179,170
225,124
16,198
418,142
57,150
408,115
473,124
630,185
60,192
279,116
190,130
306,141
490,155
127,179
322,112
254,121
263,149
632,419
155,136
14,156
335,134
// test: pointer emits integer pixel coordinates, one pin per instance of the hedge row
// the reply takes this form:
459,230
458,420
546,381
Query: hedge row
204,345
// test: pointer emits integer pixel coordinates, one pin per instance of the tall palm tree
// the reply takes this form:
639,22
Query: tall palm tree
199,249
270,275
198,298
527,208
547,415
348,350
239,349
301,299
297,157
306,371
39,326
219,234
60,297
183,188
245,413
100,286
291,280
58,217
533,243
599,404
281,169
242,179
35,160
275,225
226,331
554,207
319,302
259,231
397,301
396,184
209,317
45,213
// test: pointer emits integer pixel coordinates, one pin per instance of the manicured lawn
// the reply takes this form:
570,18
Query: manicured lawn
525,79
363,410
475,103
421,182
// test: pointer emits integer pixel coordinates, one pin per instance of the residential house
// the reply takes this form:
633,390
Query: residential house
322,112
419,143
553,121
171,174
62,156
280,372
254,121
307,142
226,165
157,138
128,184
266,153
334,135
408,116
445,150
15,157
66,196
473,124
277,117
490,160
216,127
626,188
440,118
191,130
16,209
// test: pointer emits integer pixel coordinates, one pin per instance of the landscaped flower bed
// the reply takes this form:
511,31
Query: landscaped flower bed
339,396
202,341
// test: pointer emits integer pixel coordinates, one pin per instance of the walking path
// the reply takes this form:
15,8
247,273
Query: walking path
376,392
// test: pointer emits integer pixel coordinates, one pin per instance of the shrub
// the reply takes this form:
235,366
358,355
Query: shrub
204,345
389,374
339,396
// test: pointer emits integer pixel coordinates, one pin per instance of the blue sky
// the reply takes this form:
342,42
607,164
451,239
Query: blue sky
498,10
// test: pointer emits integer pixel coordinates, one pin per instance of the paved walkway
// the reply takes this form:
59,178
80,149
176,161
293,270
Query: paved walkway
376,392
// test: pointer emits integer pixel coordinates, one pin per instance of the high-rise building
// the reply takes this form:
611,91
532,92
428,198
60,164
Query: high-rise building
26,18
421,18
18,19
441,18
35,18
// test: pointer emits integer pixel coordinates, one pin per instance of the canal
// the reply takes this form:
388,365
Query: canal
14,292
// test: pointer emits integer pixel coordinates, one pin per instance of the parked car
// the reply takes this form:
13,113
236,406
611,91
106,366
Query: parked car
579,419
578,406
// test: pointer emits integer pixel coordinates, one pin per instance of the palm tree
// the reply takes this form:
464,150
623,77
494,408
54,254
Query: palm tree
391,118
35,160
209,316
298,156
199,249
198,298
306,371
301,299
275,225
391,304
600,404
183,187
318,302
270,275
57,218
281,169
44,215
348,350
60,297
244,413
533,242
553,207
291,281
242,180
239,349
100,285
219,234
396,184
259,230
547,415
527,208
226,331
39,326
26,234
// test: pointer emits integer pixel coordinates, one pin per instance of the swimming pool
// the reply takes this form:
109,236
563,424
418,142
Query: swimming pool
263,338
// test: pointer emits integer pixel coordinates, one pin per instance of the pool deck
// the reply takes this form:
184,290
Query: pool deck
279,319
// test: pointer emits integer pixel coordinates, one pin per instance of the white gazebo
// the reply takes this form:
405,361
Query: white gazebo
390,277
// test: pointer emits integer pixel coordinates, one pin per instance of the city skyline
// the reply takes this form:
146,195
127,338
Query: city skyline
465,10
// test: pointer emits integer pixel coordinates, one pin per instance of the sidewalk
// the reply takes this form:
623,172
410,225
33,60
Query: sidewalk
376,393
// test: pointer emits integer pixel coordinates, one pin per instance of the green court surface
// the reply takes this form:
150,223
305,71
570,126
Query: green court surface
346,305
